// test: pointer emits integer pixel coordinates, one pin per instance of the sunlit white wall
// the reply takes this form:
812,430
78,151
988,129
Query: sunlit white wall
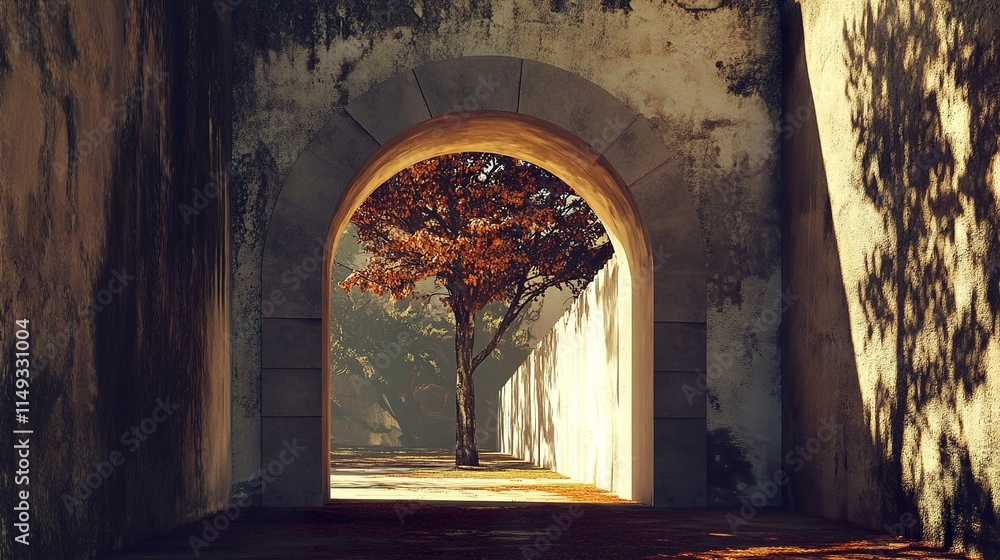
560,410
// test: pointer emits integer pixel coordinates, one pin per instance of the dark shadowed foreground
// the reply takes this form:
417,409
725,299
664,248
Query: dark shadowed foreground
415,530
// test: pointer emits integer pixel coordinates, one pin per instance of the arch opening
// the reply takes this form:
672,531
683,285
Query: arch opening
593,178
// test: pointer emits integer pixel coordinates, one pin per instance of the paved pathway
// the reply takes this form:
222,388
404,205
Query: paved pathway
431,475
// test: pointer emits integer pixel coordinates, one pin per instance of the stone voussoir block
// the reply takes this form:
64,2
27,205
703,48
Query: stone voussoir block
470,83
390,107
575,104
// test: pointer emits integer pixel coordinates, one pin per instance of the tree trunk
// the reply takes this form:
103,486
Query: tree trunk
466,452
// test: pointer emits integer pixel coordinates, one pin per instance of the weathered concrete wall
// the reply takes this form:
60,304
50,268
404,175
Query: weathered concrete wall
560,409
111,114
892,177
704,74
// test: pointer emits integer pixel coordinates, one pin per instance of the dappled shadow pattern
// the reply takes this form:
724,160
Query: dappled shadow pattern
558,410
429,475
429,459
901,70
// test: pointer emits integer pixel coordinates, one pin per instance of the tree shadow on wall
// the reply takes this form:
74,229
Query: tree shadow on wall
900,67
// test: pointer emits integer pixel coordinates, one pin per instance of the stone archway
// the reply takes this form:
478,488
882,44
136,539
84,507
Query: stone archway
538,113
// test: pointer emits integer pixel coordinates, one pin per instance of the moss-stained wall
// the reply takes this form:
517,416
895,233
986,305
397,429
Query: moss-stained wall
704,73
113,115
893,239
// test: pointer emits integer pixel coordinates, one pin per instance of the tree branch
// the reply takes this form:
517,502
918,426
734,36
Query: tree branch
512,312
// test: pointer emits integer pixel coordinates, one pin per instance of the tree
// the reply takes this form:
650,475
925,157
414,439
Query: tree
388,354
398,357
487,228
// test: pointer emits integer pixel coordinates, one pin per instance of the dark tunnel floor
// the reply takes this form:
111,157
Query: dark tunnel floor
411,530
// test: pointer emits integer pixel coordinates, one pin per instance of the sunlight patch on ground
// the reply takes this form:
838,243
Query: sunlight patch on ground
430,475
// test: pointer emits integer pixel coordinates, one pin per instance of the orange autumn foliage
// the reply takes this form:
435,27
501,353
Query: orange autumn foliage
487,228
